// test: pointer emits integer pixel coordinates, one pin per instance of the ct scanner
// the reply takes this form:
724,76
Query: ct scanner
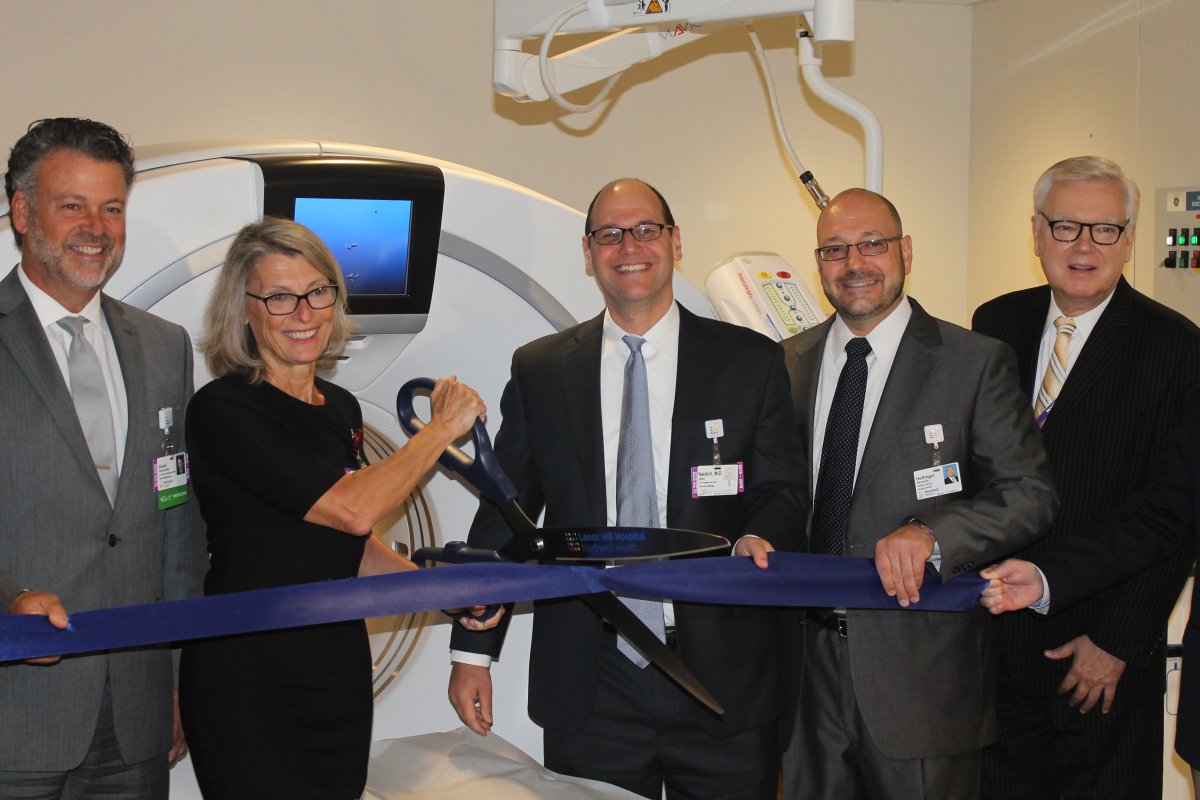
487,270
485,267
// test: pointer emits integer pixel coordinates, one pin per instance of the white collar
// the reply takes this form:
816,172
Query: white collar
49,311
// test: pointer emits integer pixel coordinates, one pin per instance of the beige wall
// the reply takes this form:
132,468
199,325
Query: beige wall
415,75
1057,78
975,101
1073,77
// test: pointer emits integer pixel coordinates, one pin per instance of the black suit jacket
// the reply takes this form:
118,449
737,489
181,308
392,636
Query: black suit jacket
1103,437
550,444
1150,527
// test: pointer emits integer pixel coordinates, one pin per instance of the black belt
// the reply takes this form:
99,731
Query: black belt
828,620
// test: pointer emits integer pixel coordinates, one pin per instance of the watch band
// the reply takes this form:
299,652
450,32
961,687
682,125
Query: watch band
910,520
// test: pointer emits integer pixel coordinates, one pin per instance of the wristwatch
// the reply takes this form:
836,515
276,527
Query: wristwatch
910,520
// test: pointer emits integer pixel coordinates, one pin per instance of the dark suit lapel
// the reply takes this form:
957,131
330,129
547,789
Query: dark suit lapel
1028,341
693,379
21,332
1105,344
139,415
804,369
914,361
580,366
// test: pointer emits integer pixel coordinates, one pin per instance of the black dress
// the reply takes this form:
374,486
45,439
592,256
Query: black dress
286,713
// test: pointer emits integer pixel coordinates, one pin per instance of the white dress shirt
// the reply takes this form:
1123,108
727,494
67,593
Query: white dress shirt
661,353
885,341
49,311
1084,325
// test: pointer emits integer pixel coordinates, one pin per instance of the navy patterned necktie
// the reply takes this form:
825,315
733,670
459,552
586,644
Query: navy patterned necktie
835,479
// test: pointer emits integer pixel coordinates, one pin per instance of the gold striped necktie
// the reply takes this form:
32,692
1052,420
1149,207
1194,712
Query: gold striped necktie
1056,370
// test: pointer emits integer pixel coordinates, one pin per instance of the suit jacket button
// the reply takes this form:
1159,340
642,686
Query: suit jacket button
113,539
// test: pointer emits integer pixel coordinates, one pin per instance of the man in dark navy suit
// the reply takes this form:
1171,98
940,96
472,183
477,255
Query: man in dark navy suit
604,716
1148,528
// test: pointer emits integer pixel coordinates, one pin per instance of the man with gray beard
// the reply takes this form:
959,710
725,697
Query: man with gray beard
94,393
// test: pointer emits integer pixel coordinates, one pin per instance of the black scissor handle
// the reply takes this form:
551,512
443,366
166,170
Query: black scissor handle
456,553
459,553
483,471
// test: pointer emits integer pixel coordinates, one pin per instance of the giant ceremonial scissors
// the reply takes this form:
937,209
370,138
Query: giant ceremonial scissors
610,545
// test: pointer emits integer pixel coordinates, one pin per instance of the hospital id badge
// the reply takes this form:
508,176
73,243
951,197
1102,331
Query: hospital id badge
937,481
171,475
718,480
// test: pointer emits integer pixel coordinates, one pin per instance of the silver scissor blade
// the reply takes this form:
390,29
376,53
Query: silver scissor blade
628,625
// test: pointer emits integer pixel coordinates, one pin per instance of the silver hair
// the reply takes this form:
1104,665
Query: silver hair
1088,168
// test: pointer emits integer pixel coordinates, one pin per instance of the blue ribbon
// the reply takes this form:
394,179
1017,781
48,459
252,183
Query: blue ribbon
792,579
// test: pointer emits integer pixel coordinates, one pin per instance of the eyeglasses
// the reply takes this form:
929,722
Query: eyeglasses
867,247
642,232
1068,230
281,304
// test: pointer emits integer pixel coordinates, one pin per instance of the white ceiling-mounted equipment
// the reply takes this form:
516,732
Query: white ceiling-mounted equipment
644,29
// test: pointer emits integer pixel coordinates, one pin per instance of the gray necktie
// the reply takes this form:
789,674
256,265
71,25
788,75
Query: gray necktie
90,394
637,497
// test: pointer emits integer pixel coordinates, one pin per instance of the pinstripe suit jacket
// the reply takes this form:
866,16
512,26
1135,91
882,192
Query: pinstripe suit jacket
1103,436
1147,528
55,527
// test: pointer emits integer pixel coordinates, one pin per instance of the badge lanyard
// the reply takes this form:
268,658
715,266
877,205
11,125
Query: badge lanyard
171,470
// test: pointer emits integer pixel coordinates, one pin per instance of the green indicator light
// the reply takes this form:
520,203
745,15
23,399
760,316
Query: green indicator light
1195,239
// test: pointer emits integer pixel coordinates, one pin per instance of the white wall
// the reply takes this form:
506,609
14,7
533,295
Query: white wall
415,75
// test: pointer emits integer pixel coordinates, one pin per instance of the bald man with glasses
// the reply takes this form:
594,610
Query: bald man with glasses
897,705
1104,369
567,409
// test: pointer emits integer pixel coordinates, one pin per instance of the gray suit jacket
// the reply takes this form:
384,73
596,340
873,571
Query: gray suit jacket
56,526
925,681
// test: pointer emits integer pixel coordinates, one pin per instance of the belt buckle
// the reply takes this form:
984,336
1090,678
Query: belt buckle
841,627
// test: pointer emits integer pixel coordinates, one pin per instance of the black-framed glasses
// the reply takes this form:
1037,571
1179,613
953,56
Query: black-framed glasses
867,247
642,232
281,304
1068,230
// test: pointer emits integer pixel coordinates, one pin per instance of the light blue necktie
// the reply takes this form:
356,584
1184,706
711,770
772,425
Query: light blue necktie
90,395
637,496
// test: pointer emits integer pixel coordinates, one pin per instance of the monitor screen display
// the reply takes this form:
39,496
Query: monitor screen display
381,219
369,238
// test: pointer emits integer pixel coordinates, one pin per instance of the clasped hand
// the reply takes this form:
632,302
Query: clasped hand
900,560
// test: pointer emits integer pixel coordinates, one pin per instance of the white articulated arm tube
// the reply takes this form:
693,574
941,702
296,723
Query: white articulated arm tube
810,68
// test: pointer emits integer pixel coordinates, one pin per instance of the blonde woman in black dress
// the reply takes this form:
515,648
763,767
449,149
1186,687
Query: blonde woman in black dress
277,466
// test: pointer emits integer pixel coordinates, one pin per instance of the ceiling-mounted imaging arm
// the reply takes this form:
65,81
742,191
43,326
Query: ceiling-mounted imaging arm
810,69
643,29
